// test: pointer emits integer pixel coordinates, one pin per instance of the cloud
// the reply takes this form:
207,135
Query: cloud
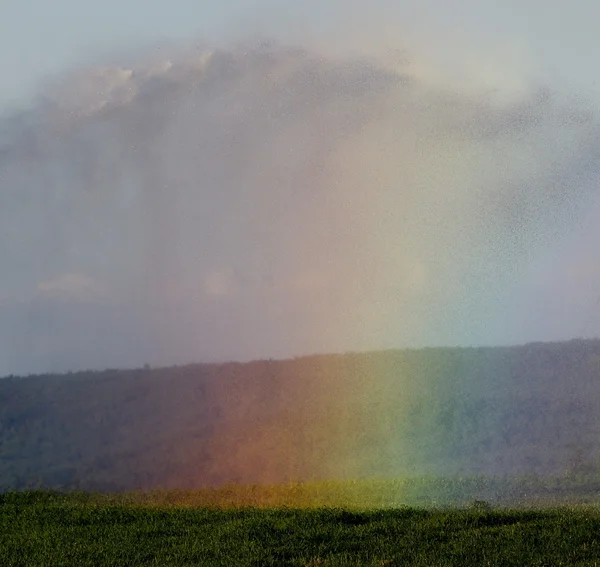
74,286
265,200
220,282
91,90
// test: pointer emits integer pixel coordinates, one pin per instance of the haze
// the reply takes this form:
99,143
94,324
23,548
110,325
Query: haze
238,189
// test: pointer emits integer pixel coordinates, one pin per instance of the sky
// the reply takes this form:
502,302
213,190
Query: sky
242,180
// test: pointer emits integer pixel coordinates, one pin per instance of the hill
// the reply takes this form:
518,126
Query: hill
436,411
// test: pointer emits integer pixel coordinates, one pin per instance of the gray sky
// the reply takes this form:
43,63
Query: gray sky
178,191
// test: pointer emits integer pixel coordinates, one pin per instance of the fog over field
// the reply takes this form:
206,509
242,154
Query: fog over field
265,199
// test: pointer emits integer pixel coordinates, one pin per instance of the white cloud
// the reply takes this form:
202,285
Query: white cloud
72,286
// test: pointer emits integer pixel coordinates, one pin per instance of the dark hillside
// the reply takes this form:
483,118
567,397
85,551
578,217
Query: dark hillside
532,408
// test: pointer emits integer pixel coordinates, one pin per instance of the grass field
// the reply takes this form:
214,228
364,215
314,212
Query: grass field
184,528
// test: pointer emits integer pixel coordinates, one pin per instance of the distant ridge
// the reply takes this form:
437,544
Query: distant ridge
445,411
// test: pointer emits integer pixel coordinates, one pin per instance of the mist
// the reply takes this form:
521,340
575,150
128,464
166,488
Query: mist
262,200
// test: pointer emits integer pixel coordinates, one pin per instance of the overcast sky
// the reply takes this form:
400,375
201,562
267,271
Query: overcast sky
172,189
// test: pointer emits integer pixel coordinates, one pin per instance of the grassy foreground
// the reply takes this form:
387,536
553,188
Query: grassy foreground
51,529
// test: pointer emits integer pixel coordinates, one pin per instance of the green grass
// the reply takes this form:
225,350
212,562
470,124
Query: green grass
52,529
527,491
